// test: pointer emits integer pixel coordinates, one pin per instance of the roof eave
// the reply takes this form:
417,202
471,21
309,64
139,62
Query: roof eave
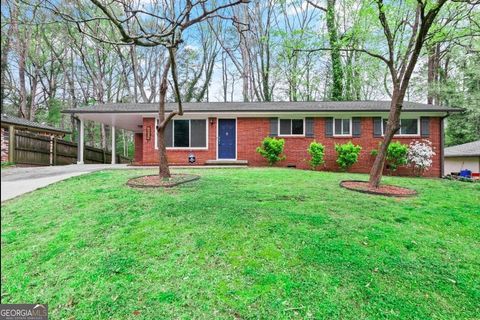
37,129
74,111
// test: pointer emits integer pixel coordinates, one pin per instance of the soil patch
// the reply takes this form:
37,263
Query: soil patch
384,189
154,181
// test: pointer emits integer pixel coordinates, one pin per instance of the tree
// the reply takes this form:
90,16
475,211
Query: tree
335,45
403,27
162,24
403,50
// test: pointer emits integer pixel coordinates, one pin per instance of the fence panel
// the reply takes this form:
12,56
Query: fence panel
32,149
35,149
66,152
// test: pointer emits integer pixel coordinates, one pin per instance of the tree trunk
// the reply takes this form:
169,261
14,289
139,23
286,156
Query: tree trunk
246,72
224,78
5,51
431,74
22,113
337,72
163,169
392,128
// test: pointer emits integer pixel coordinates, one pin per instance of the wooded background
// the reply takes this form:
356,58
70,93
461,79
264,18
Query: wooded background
273,50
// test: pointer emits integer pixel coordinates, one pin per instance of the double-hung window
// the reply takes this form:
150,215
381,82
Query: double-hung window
291,127
408,127
186,133
342,126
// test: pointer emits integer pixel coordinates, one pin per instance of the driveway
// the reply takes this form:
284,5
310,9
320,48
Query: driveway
17,181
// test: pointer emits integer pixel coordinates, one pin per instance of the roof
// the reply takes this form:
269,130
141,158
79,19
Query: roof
8,119
470,149
312,106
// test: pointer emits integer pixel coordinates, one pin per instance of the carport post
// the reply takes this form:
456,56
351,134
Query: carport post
11,143
81,142
114,153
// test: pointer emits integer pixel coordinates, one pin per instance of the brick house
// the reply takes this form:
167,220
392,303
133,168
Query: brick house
228,133
11,124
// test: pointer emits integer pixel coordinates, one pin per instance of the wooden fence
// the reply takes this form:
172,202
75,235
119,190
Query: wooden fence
42,150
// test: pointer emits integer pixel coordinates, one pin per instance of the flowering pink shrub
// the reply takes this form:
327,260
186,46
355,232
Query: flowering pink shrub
420,154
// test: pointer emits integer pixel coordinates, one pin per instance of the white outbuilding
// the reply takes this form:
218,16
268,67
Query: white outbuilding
463,157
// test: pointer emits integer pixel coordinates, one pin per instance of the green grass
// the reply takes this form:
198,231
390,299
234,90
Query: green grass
7,164
251,243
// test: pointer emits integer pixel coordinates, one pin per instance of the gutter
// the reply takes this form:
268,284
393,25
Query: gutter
260,111
442,143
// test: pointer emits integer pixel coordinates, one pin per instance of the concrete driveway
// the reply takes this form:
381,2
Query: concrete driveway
17,181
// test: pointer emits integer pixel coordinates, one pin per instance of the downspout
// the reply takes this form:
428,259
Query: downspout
442,144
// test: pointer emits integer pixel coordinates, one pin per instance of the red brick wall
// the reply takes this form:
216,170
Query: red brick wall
5,144
138,148
251,131
179,157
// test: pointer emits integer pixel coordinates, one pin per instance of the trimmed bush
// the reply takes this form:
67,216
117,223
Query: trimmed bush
317,152
272,149
347,154
396,155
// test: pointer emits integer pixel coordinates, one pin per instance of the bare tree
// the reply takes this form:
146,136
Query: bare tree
167,20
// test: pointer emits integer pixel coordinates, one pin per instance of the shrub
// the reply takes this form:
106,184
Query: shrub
347,154
420,156
272,149
317,152
396,155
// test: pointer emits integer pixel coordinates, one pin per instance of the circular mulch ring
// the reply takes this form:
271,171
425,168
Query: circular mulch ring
383,190
154,181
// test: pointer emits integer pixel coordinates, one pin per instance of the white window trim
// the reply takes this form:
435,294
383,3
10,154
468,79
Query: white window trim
349,134
189,135
404,135
291,135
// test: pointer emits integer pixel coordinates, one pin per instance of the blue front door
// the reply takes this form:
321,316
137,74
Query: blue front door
226,138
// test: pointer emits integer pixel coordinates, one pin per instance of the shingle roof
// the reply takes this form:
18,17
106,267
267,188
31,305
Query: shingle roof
316,106
470,149
8,119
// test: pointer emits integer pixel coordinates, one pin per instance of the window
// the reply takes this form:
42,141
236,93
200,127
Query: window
181,134
407,127
342,127
185,134
291,127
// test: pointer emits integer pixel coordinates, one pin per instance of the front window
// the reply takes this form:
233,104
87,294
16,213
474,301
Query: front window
342,127
291,127
186,134
407,127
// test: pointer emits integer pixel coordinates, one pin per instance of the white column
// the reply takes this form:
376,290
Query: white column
81,142
113,145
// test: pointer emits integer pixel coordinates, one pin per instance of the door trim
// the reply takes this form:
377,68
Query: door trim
236,136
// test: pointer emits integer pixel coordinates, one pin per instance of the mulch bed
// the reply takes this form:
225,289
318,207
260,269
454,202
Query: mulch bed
384,189
154,181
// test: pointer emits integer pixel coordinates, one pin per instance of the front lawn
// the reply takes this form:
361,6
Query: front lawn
243,243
